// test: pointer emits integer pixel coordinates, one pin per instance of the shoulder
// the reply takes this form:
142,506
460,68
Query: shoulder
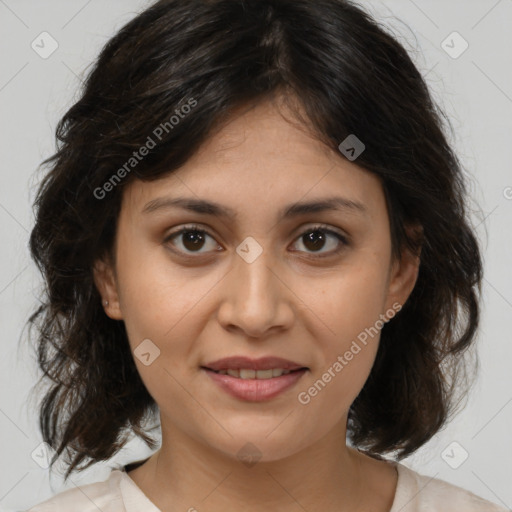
420,493
104,496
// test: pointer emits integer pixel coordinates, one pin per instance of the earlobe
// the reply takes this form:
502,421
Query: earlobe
106,283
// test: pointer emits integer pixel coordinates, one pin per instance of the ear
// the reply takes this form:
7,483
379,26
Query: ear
106,283
404,272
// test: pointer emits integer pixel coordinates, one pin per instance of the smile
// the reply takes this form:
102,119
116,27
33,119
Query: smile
255,374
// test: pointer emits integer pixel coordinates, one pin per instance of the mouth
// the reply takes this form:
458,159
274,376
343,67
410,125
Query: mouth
248,368
254,380
248,373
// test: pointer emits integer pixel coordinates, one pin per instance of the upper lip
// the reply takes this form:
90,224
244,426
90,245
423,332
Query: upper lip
263,363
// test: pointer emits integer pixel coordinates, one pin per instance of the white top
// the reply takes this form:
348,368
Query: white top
414,493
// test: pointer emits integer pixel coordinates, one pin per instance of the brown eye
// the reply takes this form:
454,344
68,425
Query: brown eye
191,240
317,238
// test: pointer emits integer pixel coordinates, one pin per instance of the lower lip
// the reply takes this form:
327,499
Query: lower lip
255,390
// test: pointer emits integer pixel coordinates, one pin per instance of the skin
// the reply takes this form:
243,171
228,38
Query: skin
204,305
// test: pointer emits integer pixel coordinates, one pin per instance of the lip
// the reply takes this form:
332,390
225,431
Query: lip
255,390
242,362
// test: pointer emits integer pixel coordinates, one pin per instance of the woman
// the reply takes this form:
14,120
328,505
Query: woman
255,229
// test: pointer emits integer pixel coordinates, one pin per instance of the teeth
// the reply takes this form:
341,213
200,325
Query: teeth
253,374
263,374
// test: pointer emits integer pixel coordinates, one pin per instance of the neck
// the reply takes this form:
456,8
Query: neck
186,475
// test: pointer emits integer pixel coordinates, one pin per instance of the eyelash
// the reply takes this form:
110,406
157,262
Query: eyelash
319,227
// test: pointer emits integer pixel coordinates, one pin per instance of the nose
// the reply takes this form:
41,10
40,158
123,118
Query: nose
256,300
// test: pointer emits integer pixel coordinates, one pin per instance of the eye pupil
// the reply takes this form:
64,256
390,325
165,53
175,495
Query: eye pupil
317,239
194,238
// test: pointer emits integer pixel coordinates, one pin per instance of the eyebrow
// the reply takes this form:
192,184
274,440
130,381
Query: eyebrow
204,207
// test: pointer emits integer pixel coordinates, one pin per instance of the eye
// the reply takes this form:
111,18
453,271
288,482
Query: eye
317,237
191,239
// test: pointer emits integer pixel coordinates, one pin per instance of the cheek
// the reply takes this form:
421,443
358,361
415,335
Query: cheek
347,326
160,305
155,293
349,302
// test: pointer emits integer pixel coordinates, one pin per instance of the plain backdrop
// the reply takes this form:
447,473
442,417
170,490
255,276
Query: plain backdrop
475,90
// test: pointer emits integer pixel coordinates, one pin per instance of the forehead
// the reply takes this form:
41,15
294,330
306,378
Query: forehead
261,158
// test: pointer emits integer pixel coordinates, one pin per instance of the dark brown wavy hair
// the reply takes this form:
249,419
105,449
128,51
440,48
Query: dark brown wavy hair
350,76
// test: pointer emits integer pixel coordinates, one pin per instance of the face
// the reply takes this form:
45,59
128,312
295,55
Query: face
256,282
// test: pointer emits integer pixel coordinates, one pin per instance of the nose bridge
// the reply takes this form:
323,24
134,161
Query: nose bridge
254,273
255,292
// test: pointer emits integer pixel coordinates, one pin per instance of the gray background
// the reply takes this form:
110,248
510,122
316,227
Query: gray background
475,90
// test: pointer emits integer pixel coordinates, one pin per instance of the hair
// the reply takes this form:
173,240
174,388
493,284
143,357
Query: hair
348,75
